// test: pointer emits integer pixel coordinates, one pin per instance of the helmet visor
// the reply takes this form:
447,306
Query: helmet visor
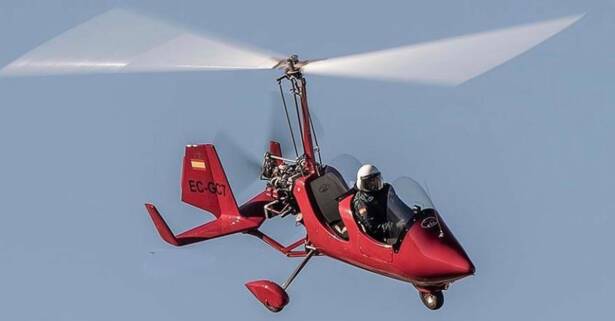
371,183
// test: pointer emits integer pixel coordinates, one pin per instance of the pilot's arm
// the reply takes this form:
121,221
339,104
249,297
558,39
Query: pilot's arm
374,225
361,215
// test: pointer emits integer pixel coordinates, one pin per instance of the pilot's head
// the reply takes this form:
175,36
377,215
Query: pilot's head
369,179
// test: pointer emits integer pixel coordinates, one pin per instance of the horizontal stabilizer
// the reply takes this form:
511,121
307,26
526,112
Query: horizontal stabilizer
224,225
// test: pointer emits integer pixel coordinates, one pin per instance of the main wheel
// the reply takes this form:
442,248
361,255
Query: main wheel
272,308
432,300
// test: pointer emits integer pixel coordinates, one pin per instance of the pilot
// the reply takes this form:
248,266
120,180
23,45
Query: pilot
370,203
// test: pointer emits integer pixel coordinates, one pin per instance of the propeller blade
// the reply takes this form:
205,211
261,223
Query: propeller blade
348,166
242,168
449,61
278,124
121,41
317,125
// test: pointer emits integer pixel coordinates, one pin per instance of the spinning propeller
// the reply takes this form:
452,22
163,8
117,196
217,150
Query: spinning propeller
121,41
244,168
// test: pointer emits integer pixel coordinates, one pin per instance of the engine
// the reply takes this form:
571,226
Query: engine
280,175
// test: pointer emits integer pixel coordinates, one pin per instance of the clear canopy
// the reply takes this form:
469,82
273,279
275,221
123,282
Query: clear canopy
407,189
411,193
405,199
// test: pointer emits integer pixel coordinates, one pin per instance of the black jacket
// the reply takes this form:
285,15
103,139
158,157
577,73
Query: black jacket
374,205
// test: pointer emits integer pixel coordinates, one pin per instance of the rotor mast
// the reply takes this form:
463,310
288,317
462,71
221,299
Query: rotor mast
292,71
308,145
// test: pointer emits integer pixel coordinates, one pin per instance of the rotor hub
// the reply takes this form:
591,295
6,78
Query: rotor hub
291,65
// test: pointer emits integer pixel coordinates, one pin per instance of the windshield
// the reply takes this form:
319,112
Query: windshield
411,193
405,198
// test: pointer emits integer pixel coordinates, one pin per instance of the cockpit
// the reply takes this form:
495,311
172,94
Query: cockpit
405,200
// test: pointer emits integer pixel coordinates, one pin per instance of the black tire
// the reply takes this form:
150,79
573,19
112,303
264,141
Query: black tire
272,309
432,300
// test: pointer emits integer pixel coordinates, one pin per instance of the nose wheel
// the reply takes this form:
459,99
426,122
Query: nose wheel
432,300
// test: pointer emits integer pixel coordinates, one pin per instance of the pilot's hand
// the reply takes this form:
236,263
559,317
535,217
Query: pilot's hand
363,211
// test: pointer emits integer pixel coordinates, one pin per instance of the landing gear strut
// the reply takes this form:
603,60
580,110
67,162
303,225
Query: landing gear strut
433,300
270,294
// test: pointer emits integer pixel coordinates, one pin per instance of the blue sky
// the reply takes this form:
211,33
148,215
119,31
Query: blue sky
518,161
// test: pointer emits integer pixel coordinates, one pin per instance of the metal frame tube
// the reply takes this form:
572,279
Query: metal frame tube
298,269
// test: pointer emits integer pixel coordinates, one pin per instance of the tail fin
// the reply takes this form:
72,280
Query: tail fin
204,185
204,182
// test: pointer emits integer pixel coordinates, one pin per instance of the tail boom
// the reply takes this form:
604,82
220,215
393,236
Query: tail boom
205,186
250,219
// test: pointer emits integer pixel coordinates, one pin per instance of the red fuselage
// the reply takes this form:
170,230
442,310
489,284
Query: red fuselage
423,258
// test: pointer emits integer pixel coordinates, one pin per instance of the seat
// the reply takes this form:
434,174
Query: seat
325,191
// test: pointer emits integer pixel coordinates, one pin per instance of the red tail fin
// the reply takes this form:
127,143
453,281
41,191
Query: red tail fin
205,186
204,182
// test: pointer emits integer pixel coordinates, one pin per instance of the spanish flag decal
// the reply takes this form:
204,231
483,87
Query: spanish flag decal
198,164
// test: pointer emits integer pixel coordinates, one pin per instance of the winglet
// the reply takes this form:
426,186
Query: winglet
162,227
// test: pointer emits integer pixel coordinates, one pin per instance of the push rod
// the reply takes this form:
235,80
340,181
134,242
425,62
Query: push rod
298,269
286,250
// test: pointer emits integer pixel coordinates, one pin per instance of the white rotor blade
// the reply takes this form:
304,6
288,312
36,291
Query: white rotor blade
449,61
122,41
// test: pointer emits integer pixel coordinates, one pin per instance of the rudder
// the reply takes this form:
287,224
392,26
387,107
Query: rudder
204,183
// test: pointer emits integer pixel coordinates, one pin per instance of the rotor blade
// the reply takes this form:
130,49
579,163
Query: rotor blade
121,41
347,165
449,61
241,167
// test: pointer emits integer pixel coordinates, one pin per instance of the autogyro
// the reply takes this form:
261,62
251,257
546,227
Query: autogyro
420,249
